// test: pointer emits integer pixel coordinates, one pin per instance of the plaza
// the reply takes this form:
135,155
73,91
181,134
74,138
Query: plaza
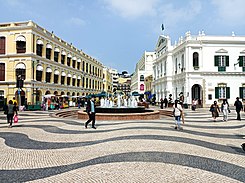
44,148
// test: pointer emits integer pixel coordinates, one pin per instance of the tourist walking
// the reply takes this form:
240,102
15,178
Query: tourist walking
165,101
225,109
214,109
10,110
90,109
177,113
194,104
238,105
161,102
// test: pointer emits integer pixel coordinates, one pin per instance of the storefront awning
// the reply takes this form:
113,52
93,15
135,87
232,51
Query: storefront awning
63,74
57,49
21,38
49,46
56,72
48,69
39,41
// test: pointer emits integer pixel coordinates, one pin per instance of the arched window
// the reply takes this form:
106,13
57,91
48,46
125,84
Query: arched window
74,62
69,59
56,54
78,64
48,51
68,79
2,45
39,72
2,71
74,80
48,74
78,81
196,60
21,44
20,70
56,76
39,50
63,74
63,56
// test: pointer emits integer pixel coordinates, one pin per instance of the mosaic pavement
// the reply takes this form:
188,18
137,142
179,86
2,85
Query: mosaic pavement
41,148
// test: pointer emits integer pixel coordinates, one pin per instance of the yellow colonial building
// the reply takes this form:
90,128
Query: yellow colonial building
47,65
107,81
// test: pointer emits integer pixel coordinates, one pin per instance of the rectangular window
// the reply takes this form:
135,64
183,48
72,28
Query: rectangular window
68,80
56,56
39,75
56,77
62,80
39,49
242,92
48,77
78,65
78,82
62,59
68,61
48,53
222,61
2,45
222,92
2,71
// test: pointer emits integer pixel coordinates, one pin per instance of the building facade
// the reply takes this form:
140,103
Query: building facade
46,64
107,80
202,67
143,69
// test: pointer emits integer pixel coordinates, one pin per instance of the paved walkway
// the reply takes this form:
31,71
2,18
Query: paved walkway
44,149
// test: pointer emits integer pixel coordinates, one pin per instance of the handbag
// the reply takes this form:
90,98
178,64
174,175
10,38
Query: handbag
16,119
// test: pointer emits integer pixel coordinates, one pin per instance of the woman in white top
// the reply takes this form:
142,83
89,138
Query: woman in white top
225,109
177,112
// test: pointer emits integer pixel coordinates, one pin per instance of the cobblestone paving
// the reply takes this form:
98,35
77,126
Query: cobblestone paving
41,148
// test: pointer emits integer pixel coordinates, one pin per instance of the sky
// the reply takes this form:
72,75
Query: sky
118,32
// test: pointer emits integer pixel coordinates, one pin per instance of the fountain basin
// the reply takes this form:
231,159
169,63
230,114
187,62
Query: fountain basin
117,116
120,109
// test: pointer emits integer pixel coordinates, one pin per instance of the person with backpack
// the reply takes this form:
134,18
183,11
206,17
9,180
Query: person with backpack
177,113
10,110
214,109
239,107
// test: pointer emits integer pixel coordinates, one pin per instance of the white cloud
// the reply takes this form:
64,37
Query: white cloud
77,21
230,11
132,9
173,14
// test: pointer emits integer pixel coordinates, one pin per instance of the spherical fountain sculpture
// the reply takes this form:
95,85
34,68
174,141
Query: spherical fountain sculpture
121,108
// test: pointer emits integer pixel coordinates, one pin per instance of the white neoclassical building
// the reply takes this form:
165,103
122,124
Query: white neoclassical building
143,69
202,67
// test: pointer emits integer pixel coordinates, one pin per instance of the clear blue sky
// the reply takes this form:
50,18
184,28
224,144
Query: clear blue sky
117,32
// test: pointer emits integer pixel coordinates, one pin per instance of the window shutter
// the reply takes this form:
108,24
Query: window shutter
240,61
216,60
241,92
227,61
227,92
217,92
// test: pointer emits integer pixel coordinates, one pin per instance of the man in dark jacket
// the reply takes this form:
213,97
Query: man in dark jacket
90,109
238,105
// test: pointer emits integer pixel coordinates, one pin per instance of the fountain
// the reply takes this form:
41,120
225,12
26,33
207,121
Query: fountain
121,108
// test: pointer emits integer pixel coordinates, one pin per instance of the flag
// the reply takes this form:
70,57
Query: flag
162,27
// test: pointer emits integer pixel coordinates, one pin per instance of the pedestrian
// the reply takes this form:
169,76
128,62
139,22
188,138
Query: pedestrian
238,105
11,109
90,109
79,103
161,102
225,109
177,113
165,101
214,109
194,104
